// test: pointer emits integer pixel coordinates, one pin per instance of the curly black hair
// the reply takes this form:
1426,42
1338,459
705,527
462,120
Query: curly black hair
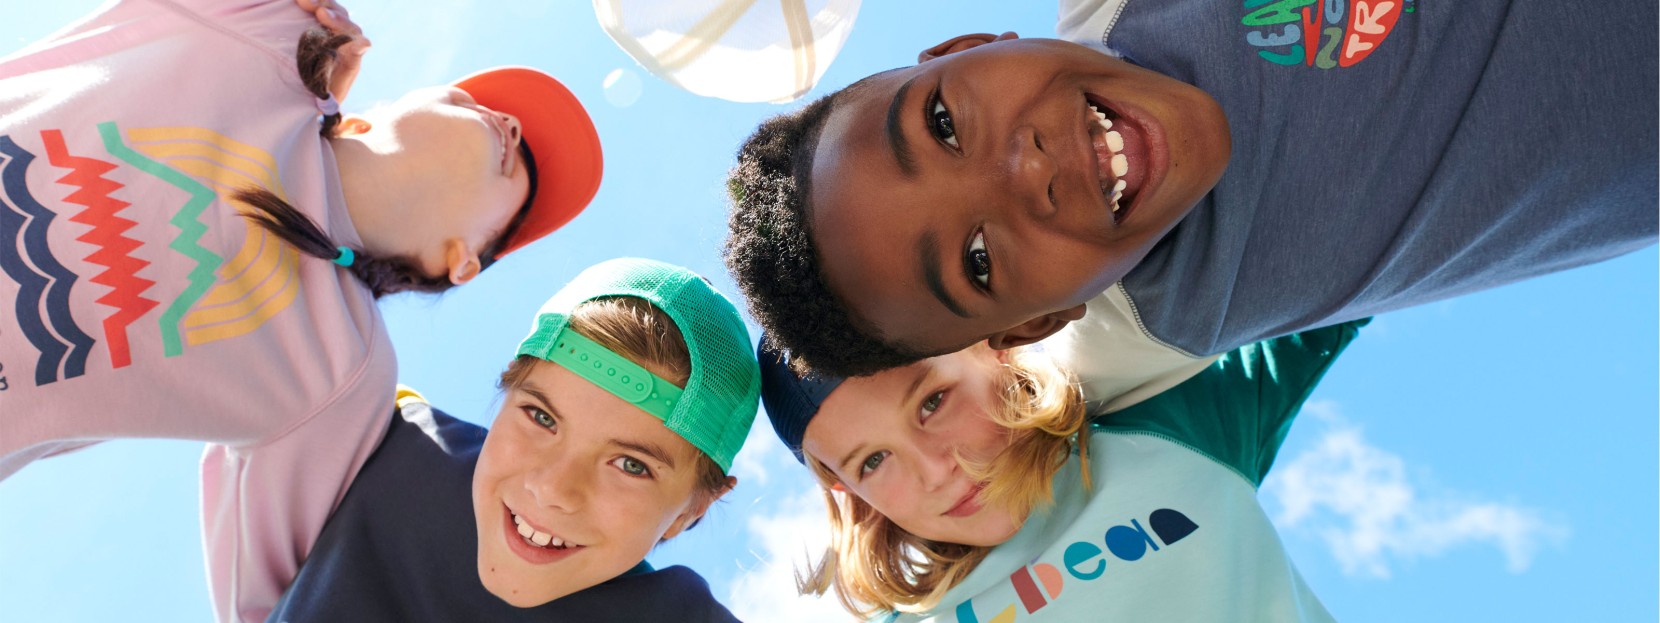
769,251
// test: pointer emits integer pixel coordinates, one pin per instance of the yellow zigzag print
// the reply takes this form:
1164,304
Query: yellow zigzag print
262,279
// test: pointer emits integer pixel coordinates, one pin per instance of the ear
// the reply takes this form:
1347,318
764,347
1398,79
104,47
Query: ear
695,510
960,43
1035,329
351,125
461,261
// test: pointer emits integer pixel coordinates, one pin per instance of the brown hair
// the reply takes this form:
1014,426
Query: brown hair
875,566
315,58
637,330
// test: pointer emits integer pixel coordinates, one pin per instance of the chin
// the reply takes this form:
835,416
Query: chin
517,589
514,592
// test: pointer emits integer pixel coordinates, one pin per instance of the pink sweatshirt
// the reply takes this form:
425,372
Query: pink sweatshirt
135,301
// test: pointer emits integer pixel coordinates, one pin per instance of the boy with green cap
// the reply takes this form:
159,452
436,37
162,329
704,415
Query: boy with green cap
621,415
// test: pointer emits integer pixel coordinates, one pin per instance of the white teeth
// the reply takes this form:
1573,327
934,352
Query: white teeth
540,539
1115,141
1120,165
1118,187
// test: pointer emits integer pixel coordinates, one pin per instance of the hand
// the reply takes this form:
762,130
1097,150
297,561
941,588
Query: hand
350,56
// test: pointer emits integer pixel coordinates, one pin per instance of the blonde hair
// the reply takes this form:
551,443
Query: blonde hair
635,329
876,566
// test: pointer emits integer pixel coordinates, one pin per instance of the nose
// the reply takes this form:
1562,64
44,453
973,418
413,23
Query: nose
1031,173
561,483
936,463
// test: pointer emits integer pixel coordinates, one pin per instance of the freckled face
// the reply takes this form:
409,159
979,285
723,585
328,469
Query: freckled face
892,439
959,198
573,487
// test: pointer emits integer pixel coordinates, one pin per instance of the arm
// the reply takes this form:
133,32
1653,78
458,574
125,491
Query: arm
1238,410
264,506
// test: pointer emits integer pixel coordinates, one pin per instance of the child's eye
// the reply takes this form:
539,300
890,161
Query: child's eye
541,418
978,260
939,122
871,463
932,403
632,466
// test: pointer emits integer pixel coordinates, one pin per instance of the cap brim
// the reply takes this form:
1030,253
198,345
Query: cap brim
561,138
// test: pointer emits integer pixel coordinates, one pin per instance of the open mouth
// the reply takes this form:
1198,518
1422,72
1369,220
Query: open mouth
539,538
1121,164
534,544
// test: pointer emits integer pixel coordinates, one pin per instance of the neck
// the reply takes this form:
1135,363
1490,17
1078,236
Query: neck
373,198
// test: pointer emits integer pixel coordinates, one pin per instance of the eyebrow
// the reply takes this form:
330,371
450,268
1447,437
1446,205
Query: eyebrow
896,135
647,448
849,458
540,397
927,251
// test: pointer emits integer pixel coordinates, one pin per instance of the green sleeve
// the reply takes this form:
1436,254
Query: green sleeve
1238,410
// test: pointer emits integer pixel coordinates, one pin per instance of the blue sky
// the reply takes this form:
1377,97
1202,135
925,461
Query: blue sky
1491,457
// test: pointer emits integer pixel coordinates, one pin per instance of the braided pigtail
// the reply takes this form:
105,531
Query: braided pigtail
383,275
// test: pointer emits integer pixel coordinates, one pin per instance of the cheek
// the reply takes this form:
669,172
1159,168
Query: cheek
894,497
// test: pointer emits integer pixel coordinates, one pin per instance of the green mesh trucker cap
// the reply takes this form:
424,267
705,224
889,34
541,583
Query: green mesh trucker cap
719,402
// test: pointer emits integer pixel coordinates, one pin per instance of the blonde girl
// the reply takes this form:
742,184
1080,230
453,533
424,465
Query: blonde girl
975,487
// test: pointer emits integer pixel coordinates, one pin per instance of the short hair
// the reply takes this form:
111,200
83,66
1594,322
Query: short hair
769,250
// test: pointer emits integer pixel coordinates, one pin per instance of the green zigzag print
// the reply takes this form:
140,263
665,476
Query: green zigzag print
191,230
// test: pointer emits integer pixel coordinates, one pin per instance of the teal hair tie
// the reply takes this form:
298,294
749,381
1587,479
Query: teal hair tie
346,257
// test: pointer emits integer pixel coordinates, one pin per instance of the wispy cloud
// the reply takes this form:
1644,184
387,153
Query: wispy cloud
761,454
782,543
1362,502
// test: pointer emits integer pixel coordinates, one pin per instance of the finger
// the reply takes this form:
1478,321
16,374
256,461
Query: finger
310,6
338,23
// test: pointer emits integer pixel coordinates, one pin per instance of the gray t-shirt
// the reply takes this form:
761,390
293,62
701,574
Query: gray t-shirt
1407,152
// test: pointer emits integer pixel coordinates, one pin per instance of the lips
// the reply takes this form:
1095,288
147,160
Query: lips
968,504
1119,149
498,124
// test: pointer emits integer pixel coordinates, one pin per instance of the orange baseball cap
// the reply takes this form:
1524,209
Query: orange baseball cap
563,143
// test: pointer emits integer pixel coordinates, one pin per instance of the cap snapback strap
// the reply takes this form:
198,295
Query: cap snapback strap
614,373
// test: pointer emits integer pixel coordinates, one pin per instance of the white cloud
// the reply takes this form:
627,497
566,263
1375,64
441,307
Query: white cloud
761,454
1361,501
782,543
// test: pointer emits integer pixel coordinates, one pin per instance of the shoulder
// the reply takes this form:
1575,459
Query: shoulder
1088,22
1117,360
431,426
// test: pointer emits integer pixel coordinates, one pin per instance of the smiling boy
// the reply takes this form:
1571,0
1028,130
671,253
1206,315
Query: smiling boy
1000,185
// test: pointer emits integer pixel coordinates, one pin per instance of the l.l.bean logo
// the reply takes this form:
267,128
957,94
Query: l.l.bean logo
1320,33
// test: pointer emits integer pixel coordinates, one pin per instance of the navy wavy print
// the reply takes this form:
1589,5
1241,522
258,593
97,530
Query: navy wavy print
44,283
